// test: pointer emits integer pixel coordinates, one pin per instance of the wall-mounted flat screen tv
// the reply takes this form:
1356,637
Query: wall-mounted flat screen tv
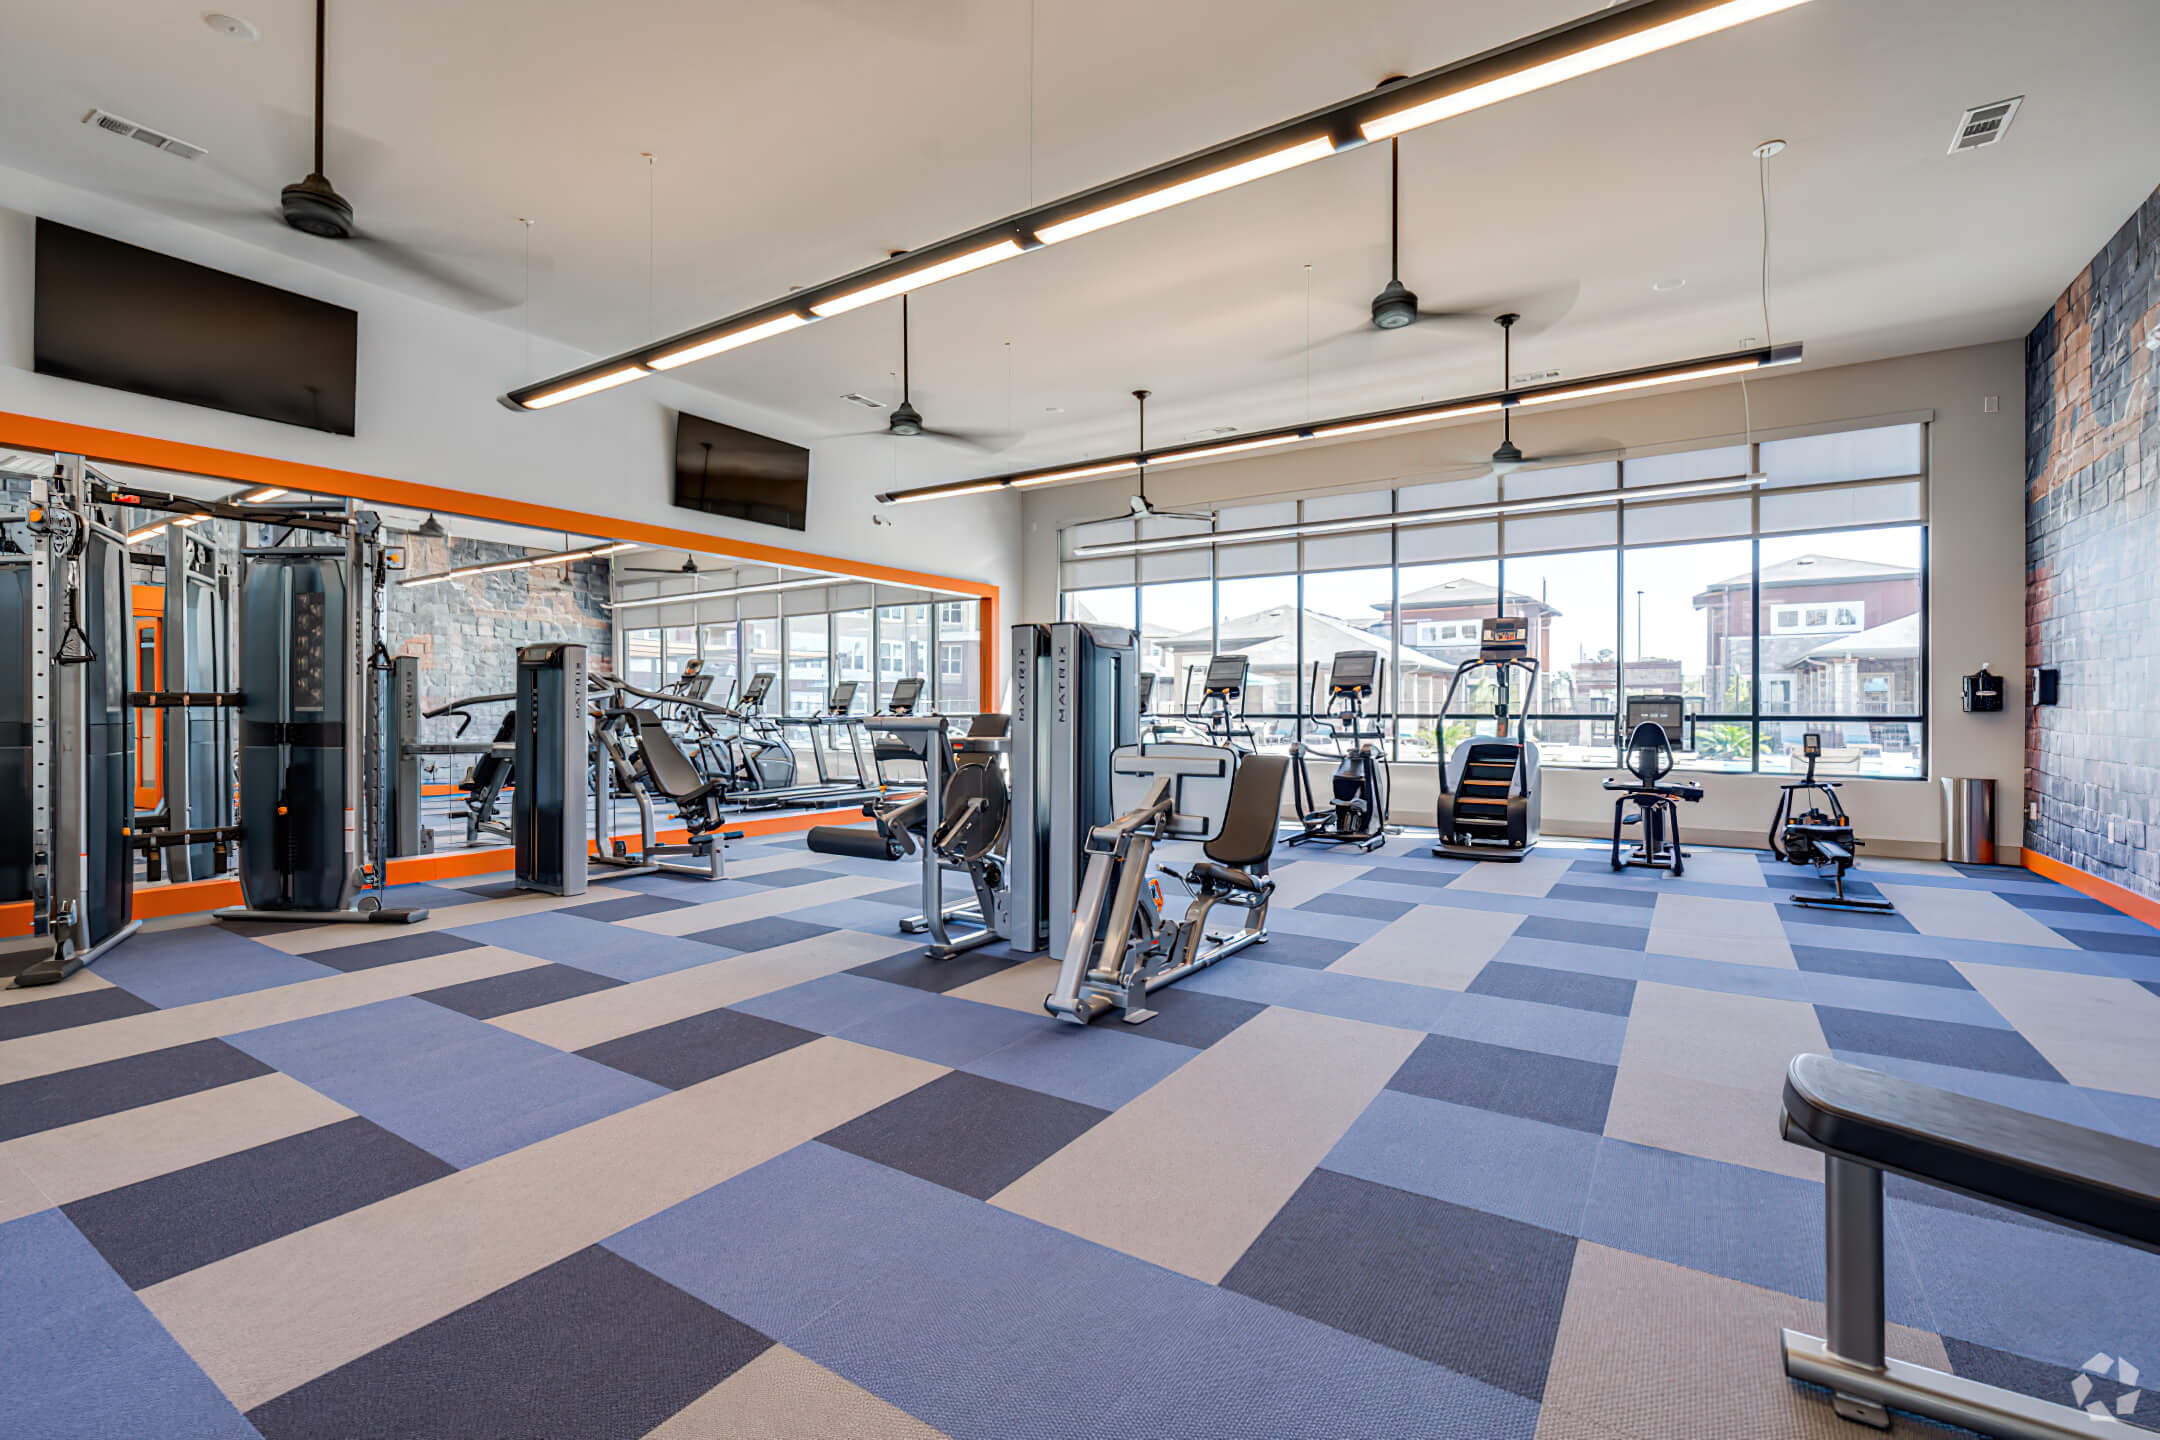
725,471
113,314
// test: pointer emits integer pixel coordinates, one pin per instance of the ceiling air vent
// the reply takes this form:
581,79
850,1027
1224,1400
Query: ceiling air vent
1984,124
112,124
855,398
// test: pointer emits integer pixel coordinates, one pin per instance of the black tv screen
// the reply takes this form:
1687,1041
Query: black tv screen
113,314
725,471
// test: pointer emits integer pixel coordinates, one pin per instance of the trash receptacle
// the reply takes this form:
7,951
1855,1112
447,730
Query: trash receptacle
1968,820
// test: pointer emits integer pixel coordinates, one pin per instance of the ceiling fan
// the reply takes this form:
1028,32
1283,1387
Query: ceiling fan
1139,507
313,206
1509,458
689,565
906,421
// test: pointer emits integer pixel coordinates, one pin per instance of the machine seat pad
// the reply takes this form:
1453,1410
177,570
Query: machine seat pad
1247,836
1224,877
2093,1181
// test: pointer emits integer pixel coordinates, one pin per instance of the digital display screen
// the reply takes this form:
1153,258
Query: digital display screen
725,471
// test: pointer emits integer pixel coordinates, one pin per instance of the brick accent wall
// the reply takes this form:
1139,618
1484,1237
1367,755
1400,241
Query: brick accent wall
2092,562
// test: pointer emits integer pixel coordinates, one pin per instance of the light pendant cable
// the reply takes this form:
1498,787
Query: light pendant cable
1762,153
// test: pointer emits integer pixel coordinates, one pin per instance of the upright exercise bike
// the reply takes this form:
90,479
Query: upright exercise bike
1357,807
1820,835
1651,722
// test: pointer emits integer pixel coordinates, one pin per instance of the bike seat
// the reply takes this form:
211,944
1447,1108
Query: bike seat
1209,875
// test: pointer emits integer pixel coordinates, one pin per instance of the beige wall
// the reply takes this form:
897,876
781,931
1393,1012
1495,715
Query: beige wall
1976,548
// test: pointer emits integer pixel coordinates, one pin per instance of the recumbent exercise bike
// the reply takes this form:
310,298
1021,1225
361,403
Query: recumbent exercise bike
1651,721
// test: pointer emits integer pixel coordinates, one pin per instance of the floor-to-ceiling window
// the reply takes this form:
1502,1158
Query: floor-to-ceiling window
809,648
1779,588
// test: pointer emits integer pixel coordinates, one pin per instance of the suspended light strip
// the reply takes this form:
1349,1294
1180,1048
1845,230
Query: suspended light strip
525,562
1706,20
1594,42
1288,158
257,497
1449,515
916,279
690,597
136,537
1675,374
733,340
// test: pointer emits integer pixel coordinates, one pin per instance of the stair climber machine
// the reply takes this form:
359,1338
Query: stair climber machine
1123,944
1651,722
1821,835
1489,786
1357,806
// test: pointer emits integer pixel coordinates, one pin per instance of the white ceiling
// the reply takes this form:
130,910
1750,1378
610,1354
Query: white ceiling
794,143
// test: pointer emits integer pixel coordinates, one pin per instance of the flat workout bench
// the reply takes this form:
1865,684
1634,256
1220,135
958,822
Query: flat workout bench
1864,1123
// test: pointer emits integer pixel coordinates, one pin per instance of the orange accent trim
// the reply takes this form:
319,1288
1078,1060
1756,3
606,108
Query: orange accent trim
148,600
33,432
189,897
2107,892
992,641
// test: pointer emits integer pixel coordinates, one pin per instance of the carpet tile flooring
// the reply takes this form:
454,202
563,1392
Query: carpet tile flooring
1469,1150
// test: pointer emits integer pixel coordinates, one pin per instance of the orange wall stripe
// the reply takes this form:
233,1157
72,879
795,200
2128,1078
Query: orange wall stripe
2107,892
191,897
119,447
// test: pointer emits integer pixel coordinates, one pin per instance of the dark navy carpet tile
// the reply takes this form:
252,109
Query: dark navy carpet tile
543,984
592,1346
625,907
915,968
2144,943
167,1226
2068,901
2152,985
1875,965
683,1052
1194,1017
1603,993
1801,882
2053,1383
1604,894
799,875
47,1101
1583,932
965,1132
1526,1083
1358,906
1476,1293
1438,874
65,1012
392,951
1938,1042
763,933
1307,952
503,889
906,897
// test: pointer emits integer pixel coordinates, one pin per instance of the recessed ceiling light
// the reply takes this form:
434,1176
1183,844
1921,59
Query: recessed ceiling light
231,26
1670,282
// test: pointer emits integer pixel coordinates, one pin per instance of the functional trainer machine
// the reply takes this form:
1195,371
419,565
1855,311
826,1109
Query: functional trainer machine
1357,806
1122,944
1820,835
1651,722
547,809
1489,786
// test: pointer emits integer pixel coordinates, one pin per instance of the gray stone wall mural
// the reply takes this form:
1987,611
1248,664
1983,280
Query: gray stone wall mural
2092,561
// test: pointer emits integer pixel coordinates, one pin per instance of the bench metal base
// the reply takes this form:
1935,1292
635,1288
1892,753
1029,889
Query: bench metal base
1918,1390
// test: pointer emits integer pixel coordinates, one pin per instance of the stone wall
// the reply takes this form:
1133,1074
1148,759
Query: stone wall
467,631
2092,559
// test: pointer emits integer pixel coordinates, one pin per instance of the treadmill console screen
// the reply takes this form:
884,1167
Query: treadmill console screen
1503,637
1226,675
904,695
842,698
754,693
1354,670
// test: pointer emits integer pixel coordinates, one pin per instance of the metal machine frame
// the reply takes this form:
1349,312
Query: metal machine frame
1503,645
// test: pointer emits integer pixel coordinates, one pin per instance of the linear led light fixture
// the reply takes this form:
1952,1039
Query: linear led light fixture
136,537
1735,363
689,597
1594,42
1448,515
258,497
524,562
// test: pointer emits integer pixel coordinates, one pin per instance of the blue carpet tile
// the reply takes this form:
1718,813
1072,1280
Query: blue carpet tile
1601,993
966,1133
625,907
1874,965
1939,1042
762,934
395,950
543,984
1551,1088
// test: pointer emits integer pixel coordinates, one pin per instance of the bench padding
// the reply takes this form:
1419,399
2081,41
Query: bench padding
2082,1178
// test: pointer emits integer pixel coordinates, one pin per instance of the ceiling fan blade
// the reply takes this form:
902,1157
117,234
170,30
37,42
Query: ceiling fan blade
459,288
1340,338
992,440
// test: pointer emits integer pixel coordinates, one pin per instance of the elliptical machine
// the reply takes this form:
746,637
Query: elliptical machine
1221,711
1489,788
1821,835
1357,809
1651,721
